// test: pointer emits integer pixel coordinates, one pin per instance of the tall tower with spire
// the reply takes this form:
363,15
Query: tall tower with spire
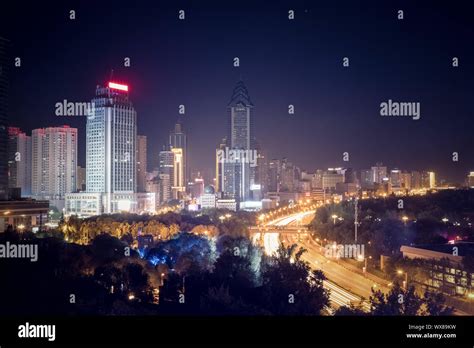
240,127
236,174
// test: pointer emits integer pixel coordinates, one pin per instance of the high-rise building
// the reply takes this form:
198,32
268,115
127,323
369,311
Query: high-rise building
379,172
240,126
416,180
141,162
19,160
406,180
289,175
165,187
238,173
110,143
366,179
111,164
178,140
166,170
331,178
350,176
317,179
153,185
4,88
274,172
432,179
54,163
396,178
197,187
178,187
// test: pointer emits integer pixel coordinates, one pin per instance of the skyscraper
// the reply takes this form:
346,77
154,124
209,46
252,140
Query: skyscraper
178,187
111,164
4,87
432,179
19,160
240,127
178,140
141,162
110,144
237,171
379,172
166,173
54,163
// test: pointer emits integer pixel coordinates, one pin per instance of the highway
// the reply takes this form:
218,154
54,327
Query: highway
345,286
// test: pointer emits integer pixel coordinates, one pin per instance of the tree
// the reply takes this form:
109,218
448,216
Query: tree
349,311
397,302
434,304
290,287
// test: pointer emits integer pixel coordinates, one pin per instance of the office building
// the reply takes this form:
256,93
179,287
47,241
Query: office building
166,171
238,171
111,163
178,188
379,172
178,140
54,163
5,64
141,162
19,161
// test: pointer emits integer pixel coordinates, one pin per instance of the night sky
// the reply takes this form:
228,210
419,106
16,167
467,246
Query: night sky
282,62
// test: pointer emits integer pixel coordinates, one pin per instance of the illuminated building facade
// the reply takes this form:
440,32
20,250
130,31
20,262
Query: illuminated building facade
111,163
54,163
19,160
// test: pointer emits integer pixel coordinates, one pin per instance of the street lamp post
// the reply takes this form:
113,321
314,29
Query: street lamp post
334,217
405,282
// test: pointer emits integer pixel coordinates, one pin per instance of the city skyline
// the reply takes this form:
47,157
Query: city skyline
322,127
300,160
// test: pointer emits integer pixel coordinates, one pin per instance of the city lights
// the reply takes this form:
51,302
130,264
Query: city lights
272,160
118,86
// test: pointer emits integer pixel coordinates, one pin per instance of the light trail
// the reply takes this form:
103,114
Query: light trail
338,296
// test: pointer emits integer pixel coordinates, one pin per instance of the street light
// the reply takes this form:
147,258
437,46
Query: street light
405,282
334,217
445,220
